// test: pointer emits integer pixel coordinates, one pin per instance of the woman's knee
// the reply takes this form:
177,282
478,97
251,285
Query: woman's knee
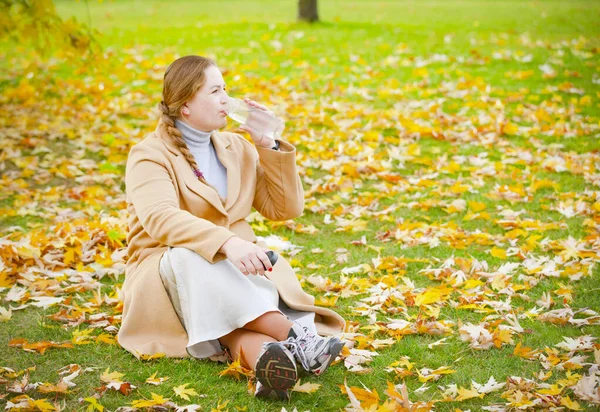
180,254
240,337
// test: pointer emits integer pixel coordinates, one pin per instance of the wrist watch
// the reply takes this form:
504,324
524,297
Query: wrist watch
276,147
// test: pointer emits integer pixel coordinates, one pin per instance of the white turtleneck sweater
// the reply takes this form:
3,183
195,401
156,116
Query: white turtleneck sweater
204,152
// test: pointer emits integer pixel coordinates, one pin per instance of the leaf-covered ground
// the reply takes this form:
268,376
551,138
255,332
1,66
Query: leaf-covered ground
450,157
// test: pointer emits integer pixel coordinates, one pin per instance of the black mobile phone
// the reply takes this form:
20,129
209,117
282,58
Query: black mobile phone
272,257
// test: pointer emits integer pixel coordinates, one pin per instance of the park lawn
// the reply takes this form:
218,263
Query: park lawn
373,77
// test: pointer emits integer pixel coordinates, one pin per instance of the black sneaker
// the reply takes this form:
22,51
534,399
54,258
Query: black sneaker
275,371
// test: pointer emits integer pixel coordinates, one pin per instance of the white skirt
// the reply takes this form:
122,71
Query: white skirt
213,300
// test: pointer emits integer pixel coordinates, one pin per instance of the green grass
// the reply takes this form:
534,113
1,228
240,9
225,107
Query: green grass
359,46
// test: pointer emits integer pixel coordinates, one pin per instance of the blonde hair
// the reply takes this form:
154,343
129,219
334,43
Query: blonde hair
183,78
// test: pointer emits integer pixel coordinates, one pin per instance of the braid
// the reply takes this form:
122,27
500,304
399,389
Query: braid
177,138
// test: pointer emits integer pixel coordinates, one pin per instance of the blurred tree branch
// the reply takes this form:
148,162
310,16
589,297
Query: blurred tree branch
36,23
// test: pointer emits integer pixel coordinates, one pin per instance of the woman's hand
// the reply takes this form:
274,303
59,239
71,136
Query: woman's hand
258,138
249,258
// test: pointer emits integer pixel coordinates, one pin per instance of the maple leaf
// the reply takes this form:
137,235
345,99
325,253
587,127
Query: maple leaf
40,347
106,338
184,392
426,374
107,377
21,386
153,380
498,253
60,388
571,405
464,394
43,405
437,343
525,352
476,206
306,387
490,386
432,295
5,314
93,405
148,403
146,357
577,344
477,336
236,370
588,388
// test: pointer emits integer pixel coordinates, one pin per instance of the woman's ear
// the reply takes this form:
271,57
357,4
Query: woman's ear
185,110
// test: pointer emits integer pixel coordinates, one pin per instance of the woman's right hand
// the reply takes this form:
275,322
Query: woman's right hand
249,258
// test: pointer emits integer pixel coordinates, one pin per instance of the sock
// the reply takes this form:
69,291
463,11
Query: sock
295,330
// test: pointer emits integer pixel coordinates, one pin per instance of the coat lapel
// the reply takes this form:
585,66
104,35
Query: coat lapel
185,171
230,161
191,181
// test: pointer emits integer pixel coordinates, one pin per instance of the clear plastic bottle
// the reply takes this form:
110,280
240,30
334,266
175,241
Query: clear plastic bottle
259,120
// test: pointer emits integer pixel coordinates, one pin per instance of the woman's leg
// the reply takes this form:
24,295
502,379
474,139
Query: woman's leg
273,324
246,345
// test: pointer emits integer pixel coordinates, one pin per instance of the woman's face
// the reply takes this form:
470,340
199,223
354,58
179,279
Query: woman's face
206,110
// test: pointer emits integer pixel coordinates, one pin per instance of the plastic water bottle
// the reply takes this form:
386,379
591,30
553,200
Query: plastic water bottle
263,122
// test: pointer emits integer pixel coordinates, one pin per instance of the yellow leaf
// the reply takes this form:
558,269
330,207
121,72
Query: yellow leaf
153,380
476,206
106,338
472,283
82,337
183,392
5,315
107,377
146,403
326,301
502,336
498,253
432,295
153,356
71,252
464,394
366,397
572,405
552,390
220,406
499,282
511,128
5,281
525,352
60,387
43,405
93,405
544,183
459,188
236,370
306,387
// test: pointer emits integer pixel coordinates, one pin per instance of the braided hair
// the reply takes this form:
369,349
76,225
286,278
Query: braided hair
183,78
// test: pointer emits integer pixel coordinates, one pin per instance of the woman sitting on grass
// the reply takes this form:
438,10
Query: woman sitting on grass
197,283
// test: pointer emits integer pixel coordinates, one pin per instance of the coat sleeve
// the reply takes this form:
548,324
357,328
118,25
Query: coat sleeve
279,193
151,190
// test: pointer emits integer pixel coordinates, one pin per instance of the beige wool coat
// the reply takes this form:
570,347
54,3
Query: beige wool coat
169,206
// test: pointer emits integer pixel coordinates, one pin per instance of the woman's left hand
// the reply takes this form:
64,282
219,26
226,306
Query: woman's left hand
258,138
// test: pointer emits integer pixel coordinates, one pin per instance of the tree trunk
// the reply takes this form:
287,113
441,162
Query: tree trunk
307,11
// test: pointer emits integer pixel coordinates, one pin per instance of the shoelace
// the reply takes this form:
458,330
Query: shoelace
303,344
297,351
